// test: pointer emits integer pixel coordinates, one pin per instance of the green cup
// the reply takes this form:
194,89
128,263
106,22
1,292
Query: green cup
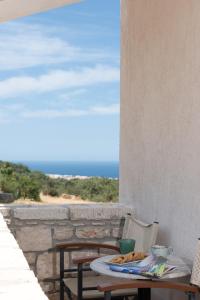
126,245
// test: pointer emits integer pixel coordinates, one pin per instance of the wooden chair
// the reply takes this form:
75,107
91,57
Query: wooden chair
85,287
144,288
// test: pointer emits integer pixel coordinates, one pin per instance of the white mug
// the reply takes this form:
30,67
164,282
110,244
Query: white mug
159,250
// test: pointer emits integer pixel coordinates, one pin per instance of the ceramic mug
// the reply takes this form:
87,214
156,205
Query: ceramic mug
126,245
159,250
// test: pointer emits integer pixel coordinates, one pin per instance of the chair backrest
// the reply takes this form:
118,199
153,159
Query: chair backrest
144,234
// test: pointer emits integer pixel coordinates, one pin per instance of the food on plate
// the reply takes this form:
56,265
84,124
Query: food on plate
132,256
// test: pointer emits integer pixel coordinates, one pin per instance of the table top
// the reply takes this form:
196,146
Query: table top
99,265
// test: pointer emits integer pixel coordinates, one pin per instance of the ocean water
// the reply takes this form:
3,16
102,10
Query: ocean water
101,169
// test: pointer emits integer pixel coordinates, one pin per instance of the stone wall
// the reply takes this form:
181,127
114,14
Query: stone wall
39,228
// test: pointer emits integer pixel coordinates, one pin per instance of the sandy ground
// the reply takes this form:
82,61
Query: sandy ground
65,199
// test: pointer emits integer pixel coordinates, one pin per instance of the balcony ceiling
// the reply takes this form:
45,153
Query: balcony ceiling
12,9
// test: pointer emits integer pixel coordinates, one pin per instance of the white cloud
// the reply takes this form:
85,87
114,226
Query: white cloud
29,45
57,80
53,114
106,110
72,94
25,46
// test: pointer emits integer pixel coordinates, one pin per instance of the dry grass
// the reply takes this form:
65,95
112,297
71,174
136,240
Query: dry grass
64,199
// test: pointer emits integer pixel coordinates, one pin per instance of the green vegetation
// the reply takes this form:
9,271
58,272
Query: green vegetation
24,183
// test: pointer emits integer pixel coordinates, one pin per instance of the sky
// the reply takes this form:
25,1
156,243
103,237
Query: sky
59,84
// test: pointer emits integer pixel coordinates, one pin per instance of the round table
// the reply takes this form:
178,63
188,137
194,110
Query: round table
99,265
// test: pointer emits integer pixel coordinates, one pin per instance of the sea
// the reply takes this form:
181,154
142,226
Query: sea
99,169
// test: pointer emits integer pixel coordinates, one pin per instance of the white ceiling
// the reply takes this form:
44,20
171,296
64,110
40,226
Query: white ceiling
12,9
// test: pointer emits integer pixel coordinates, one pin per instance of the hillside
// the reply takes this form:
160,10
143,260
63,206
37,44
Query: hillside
23,183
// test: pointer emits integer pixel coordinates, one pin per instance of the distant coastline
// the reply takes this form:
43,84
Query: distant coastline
67,177
71,177
80,169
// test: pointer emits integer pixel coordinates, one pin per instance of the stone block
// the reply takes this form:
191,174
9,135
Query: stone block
35,238
47,286
5,212
116,222
35,222
49,222
108,251
92,232
30,257
41,213
54,296
98,211
98,223
64,223
84,253
117,232
57,285
111,242
78,224
18,223
48,265
62,233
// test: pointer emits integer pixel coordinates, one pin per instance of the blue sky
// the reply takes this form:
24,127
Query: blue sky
59,84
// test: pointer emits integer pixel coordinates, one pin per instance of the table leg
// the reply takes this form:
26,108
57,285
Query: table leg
107,295
144,294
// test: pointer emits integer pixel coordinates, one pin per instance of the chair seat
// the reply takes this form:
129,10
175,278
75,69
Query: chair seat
93,281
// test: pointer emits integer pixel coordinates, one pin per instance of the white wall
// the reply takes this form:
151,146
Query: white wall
160,116
17,281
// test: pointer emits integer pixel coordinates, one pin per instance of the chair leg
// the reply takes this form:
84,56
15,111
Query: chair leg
191,296
62,290
68,292
62,286
80,282
107,295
